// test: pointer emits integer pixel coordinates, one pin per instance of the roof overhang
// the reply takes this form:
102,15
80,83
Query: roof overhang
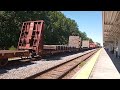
111,25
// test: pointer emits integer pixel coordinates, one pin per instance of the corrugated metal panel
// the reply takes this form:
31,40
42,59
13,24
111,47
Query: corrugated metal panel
111,22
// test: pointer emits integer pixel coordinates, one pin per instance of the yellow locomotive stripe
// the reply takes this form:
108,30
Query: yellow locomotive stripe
85,71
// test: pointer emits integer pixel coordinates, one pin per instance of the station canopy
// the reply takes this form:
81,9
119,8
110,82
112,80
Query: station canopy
111,26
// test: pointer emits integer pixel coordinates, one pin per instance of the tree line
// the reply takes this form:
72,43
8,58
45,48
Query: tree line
57,30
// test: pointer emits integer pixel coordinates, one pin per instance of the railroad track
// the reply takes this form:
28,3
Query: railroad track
61,70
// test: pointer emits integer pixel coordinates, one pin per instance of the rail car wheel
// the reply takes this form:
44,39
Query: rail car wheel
33,56
3,62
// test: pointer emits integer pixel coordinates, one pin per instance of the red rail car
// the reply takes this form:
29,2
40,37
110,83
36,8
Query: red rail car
92,46
30,42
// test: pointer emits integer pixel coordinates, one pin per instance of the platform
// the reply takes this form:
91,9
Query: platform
103,65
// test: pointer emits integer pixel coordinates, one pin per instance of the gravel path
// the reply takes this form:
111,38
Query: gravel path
35,67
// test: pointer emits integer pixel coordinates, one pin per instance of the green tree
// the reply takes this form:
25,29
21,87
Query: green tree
57,29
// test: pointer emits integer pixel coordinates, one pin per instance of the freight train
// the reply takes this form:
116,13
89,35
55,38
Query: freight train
31,43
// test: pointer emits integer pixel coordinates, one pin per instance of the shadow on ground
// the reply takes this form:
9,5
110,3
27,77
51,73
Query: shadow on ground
59,56
15,64
116,61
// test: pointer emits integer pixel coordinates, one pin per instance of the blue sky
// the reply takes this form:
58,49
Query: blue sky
89,22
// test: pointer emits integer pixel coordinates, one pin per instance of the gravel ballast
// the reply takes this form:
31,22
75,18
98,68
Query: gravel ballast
35,67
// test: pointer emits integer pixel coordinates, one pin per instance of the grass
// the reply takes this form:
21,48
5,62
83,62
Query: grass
83,63
12,48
